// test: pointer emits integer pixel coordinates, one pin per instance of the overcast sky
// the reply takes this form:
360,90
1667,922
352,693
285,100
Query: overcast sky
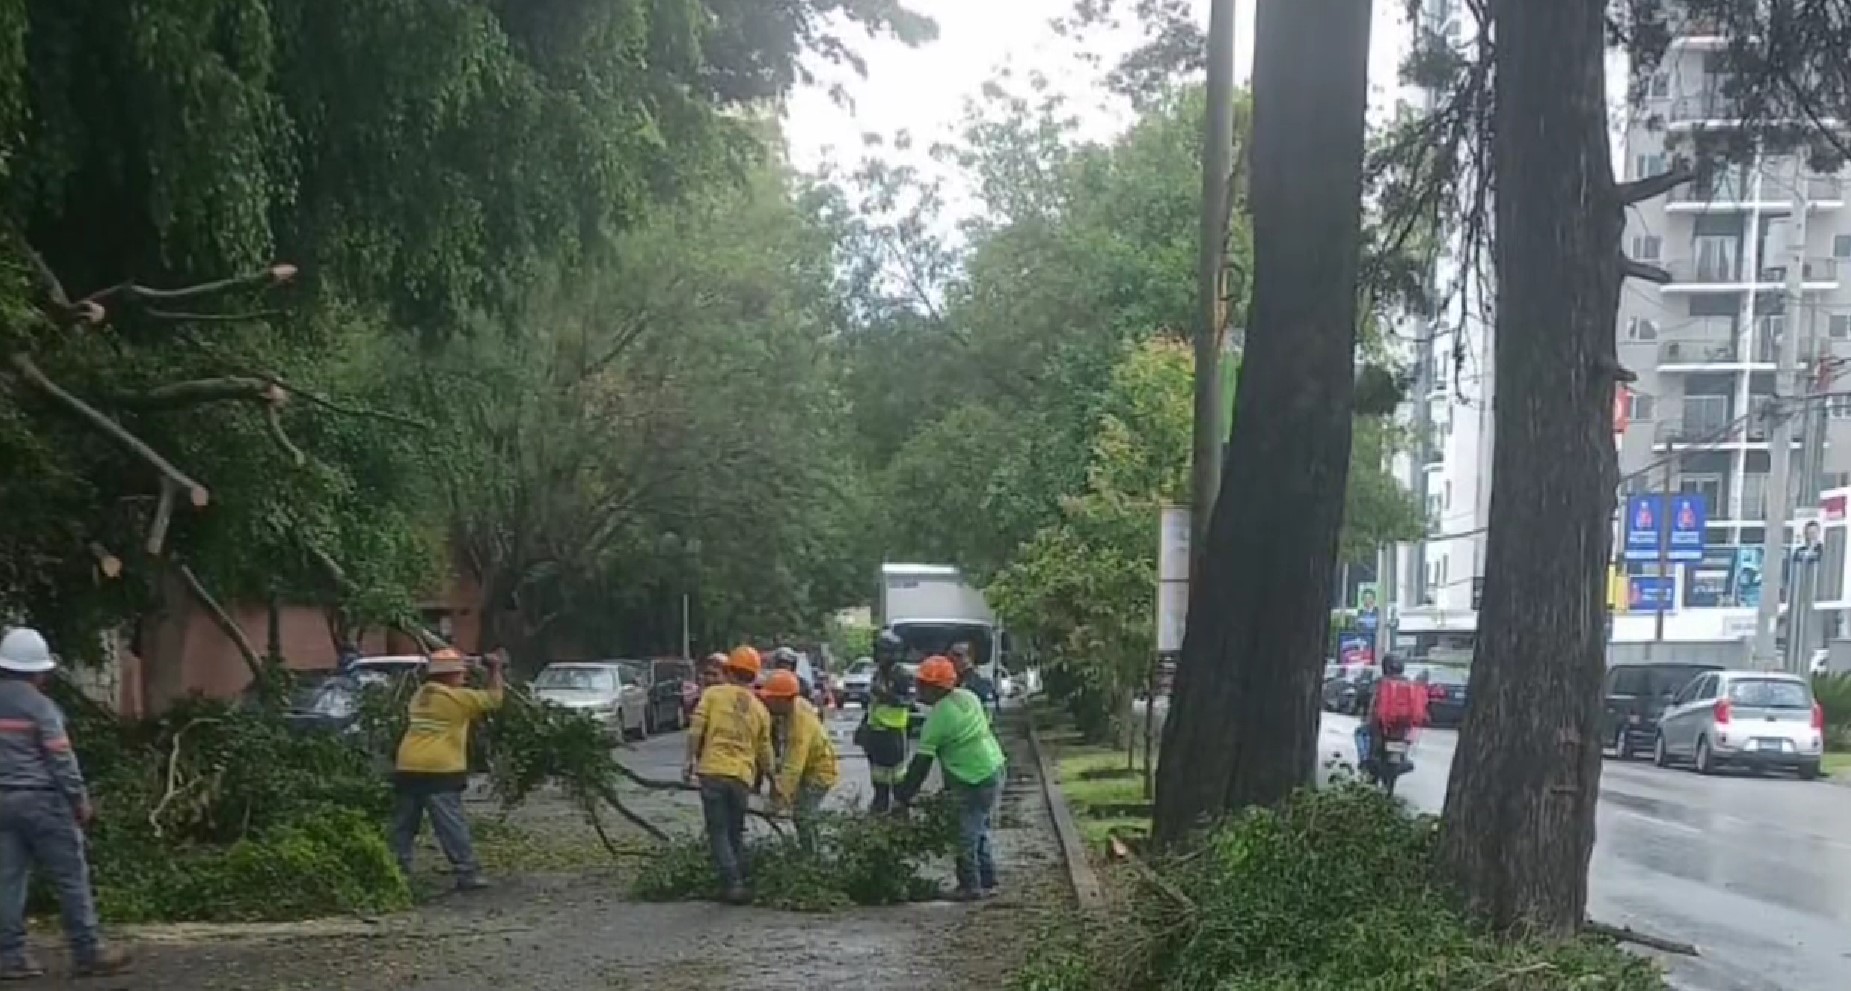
923,90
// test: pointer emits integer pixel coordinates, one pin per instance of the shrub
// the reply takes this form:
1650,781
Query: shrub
1332,891
1833,693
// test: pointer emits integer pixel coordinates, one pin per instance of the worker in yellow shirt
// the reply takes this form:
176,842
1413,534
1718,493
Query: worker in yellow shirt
729,754
433,763
807,764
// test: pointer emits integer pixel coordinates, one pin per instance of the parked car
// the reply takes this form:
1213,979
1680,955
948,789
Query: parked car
324,702
1445,694
611,692
1754,719
378,670
1348,691
668,681
855,683
1636,696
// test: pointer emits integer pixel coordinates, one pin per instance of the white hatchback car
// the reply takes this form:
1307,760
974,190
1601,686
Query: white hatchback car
1754,719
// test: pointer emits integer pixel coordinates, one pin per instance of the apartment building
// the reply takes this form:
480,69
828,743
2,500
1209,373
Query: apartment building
1705,345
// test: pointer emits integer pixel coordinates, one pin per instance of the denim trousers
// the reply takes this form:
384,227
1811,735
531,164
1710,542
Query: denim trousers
445,808
976,805
39,828
723,807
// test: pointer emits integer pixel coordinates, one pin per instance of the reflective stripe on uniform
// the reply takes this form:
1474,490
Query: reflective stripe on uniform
888,717
18,726
881,775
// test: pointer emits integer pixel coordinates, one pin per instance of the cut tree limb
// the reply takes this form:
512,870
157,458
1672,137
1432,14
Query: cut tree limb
196,492
163,516
107,563
224,621
1632,269
134,292
1640,190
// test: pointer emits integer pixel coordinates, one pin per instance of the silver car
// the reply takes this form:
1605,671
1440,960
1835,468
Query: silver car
608,691
1754,719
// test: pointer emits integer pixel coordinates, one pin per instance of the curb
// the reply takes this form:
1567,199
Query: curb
1086,888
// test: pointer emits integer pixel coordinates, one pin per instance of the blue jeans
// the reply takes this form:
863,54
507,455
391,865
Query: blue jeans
723,807
39,828
410,804
976,809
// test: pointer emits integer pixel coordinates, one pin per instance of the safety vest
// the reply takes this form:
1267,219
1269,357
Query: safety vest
886,716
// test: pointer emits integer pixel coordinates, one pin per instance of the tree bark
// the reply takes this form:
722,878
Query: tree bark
1244,724
1518,828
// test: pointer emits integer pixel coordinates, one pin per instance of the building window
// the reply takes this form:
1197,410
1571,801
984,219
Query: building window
1647,247
1643,407
1707,486
1447,501
1659,85
1839,407
1641,329
1841,246
1840,327
1716,259
1644,166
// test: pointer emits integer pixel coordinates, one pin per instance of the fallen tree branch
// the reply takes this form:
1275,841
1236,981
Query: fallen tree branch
1150,875
173,776
664,784
182,316
223,620
273,416
196,492
135,292
609,795
328,404
1627,934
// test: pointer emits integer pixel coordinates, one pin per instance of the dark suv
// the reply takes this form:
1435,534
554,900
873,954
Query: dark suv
1636,696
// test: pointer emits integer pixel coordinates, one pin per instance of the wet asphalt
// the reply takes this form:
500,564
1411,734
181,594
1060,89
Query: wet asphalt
1756,871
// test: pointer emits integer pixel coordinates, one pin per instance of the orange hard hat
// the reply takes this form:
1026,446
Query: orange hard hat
939,672
744,660
781,685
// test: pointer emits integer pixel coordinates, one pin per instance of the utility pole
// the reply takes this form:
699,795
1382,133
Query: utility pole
1782,411
1665,584
1805,573
1211,261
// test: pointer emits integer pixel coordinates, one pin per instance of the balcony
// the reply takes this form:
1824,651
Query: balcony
1727,274
1702,420
1709,346
1695,109
1732,192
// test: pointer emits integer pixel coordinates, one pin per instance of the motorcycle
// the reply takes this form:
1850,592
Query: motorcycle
1385,771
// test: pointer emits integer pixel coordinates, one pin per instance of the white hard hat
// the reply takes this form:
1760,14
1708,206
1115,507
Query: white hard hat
24,651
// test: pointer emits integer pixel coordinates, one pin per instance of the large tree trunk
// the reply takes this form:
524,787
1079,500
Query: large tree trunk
1245,721
1519,822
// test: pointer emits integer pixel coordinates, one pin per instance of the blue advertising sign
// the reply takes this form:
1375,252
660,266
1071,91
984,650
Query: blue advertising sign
1646,526
1689,515
1650,593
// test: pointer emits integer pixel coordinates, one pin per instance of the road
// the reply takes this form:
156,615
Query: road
1755,871
574,929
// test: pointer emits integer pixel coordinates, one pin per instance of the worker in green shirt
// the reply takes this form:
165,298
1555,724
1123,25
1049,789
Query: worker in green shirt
958,735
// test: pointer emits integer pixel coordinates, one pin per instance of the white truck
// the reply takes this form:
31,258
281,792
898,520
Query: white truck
931,607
